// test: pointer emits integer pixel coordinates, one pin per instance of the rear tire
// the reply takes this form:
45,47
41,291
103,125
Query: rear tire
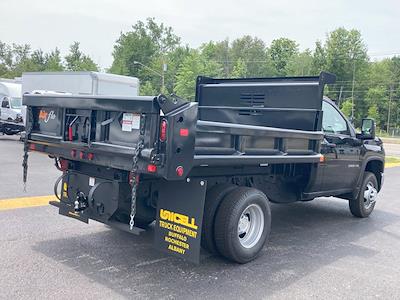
364,204
214,198
242,224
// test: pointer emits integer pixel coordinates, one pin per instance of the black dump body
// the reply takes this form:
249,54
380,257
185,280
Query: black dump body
233,122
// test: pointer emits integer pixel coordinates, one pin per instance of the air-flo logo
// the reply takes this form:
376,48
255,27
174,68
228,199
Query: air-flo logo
46,116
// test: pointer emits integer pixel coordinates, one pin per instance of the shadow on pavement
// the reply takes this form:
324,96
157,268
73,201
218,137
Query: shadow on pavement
305,237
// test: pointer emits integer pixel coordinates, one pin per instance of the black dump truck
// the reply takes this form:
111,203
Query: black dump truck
204,171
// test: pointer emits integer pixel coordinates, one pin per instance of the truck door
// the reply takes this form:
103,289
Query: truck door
341,150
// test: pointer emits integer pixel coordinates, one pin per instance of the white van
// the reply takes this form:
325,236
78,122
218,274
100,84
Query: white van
10,101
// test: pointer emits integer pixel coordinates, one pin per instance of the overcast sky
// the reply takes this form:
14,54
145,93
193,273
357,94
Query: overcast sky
96,24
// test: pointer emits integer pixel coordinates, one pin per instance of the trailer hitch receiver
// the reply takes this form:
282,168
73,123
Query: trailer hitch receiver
81,202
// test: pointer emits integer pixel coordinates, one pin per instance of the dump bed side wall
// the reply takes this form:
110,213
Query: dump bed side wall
282,103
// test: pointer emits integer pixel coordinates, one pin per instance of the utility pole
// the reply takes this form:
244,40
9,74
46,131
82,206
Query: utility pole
340,95
164,69
162,75
390,100
352,93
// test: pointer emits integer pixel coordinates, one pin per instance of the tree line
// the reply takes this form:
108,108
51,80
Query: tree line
16,59
153,52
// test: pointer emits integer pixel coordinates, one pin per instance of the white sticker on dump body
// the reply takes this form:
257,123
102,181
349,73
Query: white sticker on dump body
92,181
130,121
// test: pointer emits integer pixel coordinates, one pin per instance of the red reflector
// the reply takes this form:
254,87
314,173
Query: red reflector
90,156
151,168
179,171
81,155
63,164
163,130
184,132
32,147
70,133
73,153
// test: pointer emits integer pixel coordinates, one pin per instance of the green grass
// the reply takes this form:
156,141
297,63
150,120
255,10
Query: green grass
392,159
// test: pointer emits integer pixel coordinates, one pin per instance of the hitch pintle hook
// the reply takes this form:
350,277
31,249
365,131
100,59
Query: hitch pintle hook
81,202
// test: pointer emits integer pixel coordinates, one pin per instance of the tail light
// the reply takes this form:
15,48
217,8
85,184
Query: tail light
163,130
70,135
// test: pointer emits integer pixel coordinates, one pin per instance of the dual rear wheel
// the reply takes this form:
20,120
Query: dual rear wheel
237,222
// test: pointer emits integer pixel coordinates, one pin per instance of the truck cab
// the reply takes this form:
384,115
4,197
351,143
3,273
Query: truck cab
11,109
347,155
10,101
11,120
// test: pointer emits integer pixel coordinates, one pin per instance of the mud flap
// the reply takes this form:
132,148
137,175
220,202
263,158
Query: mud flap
179,218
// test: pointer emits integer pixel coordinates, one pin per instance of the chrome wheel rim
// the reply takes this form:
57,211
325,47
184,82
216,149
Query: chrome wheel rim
370,195
251,226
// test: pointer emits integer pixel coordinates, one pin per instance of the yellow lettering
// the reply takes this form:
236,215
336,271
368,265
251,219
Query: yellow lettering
176,249
178,218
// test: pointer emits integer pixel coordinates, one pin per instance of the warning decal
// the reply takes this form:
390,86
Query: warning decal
130,121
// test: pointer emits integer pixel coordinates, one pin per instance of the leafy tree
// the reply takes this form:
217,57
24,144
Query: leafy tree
300,64
373,112
172,60
53,61
344,53
76,60
378,97
16,59
239,69
219,52
345,50
252,51
147,89
6,57
187,74
149,44
281,52
319,59
346,107
193,66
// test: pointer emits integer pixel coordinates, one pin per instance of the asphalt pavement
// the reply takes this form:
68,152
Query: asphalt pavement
316,250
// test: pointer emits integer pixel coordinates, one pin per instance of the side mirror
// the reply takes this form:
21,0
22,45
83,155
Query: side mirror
367,129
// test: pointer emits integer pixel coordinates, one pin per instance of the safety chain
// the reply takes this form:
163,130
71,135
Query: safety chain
28,130
134,180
